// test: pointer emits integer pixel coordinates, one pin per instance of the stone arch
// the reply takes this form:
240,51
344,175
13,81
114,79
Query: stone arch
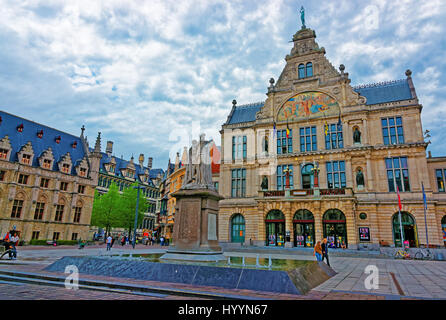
409,225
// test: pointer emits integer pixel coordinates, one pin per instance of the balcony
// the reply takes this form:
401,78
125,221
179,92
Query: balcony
302,193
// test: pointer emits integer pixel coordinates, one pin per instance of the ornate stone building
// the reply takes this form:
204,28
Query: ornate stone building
47,180
342,150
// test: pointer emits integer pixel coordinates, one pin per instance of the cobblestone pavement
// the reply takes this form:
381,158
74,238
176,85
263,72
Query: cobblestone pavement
398,279
19,291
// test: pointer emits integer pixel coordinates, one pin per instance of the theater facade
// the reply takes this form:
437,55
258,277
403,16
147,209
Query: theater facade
321,158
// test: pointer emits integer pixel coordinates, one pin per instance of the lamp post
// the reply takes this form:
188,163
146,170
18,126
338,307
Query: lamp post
287,172
138,187
315,172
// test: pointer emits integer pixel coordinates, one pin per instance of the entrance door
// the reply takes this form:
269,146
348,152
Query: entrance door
303,225
335,228
409,229
238,228
275,228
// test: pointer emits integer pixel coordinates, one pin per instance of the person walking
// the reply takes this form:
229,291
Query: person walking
162,241
126,239
324,246
318,251
109,242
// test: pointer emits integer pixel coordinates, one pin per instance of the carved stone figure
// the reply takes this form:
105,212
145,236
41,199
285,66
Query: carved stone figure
198,167
359,178
356,136
264,184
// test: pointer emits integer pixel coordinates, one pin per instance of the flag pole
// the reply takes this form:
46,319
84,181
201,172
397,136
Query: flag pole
399,215
425,219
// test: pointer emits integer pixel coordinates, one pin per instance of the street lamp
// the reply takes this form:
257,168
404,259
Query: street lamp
138,187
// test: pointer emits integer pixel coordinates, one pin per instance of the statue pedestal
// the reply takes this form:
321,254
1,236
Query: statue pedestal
316,192
195,233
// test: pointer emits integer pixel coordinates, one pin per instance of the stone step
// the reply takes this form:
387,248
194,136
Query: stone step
112,286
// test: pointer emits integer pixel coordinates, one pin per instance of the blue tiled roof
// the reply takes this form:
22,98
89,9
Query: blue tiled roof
245,113
122,164
8,127
385,92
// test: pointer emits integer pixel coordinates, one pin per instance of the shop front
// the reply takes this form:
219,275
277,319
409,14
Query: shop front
443,229
335,228
275,229
303,225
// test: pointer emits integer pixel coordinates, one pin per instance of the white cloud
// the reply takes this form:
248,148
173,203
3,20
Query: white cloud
136,70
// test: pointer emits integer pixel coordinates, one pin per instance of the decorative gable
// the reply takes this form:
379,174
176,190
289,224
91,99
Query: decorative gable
26,154
65,163
111,166
82,168
129,171
5,148
46,159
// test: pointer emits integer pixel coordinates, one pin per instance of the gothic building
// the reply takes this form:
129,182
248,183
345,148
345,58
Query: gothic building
321,158
124,173
47,180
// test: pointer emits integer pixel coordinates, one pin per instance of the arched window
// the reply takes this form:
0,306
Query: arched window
238,228
303,215
309,69
307,176
301,69
275,215
334,215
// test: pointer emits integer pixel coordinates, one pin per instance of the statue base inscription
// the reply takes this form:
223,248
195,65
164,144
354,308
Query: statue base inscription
195,234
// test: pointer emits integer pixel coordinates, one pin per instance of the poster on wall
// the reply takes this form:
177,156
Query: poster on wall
364,234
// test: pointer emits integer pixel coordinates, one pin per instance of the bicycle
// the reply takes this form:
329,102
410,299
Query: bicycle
401,254
4,251
424,254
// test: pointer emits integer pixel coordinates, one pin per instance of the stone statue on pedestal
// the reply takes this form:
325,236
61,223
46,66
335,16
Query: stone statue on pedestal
195,233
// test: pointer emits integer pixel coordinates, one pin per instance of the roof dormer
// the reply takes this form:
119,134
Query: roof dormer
46,159
26,154
5,148
82,168
65,164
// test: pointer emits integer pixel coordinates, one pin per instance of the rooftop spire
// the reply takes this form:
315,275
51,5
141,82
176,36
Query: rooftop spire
97,145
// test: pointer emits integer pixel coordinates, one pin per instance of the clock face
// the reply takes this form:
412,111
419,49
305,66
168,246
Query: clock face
308,105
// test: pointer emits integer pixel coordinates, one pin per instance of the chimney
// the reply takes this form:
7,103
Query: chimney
109,148
177,161
430,154
141,160
149,164
410,82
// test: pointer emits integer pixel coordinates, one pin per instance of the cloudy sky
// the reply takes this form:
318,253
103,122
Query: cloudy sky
149,73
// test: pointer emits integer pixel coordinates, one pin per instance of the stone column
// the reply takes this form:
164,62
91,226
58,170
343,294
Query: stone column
349,172
288,224
365,132
318,226
368,176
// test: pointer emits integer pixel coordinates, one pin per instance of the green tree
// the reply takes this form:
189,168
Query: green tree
107,209
128,208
